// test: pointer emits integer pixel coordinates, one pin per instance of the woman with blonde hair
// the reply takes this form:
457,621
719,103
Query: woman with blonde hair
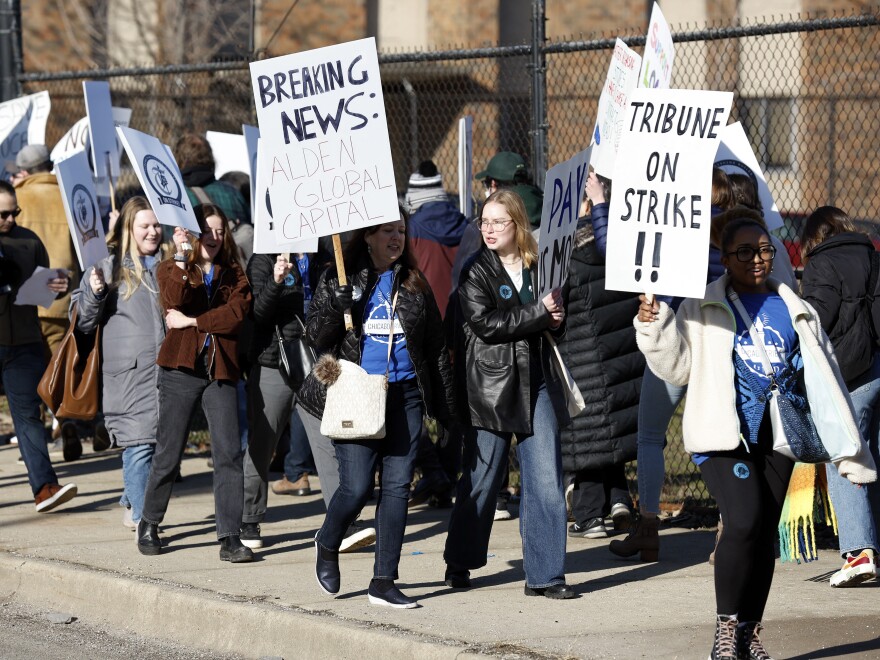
510,391
120,294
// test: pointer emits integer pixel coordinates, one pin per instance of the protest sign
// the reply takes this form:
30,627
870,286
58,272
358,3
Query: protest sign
265,237
563,192
466,166
77,138
623,75
251,136
660,213
81,205
322,121
160,178
102,131
735,156
659,53
230,153
22,122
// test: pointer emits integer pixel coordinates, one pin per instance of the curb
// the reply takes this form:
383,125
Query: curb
206,620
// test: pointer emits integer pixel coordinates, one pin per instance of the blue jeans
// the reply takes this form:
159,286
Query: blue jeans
657,404
357,465
542,515
856,523
298,460
136,462
22,367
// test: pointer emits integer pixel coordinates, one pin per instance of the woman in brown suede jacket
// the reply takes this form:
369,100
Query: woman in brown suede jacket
206,297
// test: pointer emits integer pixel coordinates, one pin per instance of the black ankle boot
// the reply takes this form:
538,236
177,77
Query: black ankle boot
234,551
148,538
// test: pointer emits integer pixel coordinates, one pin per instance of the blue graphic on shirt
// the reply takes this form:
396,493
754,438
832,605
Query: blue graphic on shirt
302,264
374,342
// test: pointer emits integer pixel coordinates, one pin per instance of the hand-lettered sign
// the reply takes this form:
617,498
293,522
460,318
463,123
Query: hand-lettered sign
623,74
659,53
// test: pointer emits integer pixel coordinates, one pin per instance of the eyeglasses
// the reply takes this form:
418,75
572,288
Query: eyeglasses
747,253
6,214
496,225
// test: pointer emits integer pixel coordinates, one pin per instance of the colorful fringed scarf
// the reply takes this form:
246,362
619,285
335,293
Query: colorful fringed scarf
805,503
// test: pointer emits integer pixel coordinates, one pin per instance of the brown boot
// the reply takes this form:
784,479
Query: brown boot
642,538
299,487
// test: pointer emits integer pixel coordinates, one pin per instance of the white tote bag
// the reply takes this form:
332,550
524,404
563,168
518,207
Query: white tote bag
574,401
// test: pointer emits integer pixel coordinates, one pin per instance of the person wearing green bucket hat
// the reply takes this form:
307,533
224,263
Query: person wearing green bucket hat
507,169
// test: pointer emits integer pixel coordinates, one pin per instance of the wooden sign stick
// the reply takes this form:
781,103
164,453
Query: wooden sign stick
343,280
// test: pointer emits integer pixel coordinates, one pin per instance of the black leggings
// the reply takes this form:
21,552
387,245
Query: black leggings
749,487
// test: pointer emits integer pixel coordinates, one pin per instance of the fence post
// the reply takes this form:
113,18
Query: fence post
10,49
539,92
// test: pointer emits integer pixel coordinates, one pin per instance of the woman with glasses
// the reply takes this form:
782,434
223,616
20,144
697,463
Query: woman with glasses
506,359
760,324
206,297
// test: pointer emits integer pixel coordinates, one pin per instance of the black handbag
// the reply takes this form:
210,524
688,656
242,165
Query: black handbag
295,357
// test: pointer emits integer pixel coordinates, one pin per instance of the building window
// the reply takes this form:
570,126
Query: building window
769,124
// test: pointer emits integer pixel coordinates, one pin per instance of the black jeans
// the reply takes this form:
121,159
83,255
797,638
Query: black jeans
179,393
749,487
596,491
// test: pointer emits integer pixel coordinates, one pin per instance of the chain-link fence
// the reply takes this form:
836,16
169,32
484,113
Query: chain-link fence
806,92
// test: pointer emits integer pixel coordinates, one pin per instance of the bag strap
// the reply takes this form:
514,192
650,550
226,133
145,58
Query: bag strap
201,195
753,333
391,333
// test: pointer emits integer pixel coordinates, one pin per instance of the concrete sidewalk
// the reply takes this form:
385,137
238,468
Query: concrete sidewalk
82,561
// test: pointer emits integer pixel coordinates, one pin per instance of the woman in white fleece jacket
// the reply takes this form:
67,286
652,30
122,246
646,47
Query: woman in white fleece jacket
708,347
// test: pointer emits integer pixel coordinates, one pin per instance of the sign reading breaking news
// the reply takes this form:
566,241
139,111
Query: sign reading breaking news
563,192
659,53
660,213
623,75
23,122
322,121
81,205
735,156
160,178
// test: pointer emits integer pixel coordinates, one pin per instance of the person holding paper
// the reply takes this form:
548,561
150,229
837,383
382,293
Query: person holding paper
510,391
121,294
397,332
206,296
776,340
22,360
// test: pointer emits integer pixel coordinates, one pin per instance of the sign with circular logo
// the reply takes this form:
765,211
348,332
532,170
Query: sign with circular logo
163,180
85,212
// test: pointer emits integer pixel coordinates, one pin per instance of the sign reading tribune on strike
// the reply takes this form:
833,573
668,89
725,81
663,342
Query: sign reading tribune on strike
322,121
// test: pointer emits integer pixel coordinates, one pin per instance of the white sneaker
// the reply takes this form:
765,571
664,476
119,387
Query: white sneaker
357,537
502,512
127,521
856,569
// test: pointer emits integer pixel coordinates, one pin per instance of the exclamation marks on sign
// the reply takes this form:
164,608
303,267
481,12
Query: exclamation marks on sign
640,251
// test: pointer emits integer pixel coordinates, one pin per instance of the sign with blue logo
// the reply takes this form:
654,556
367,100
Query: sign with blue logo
81,207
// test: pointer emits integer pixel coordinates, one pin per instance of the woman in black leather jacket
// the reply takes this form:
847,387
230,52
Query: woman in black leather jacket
419,382
506,363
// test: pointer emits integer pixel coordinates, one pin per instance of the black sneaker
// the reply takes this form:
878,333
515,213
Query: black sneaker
357,536
72,447
592,529
384,592
233,551
250,535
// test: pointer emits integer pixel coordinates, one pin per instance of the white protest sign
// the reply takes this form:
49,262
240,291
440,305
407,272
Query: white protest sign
81,205
322,121
230,152
735,156
563,192
77,138
466,166
264,234
660,213
23,122
659,53
251,136
160,178
102,130
623,75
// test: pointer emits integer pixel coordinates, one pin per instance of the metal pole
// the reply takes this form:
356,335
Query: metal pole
539,92
10,49
415,157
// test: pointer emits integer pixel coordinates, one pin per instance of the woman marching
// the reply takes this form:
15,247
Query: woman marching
120,294
206,297
385,286
506,363
746,320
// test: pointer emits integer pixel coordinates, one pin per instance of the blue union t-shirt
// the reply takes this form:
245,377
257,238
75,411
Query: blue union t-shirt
374,342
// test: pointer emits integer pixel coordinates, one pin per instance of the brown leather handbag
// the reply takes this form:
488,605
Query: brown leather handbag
70,388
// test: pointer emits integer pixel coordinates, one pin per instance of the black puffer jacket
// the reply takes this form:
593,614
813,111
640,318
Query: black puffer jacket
422,325
274,305
835,283
600,351
502,337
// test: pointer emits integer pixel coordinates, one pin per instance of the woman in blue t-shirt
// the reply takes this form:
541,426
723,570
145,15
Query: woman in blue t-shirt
725,348
389,299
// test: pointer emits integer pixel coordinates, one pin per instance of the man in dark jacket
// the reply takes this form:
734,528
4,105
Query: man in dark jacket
508,170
